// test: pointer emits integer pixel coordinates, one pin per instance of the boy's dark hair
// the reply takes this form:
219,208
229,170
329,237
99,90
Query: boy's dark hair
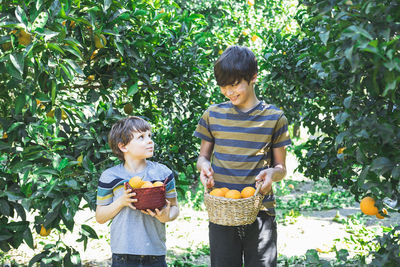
235,63
122,133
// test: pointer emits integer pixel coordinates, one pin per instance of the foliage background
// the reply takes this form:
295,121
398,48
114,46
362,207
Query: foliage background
333,67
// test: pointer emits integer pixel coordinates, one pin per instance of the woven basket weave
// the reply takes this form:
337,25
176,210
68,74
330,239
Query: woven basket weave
149,198
233,212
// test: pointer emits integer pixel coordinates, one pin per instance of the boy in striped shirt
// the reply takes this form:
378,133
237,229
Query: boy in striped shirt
243,144
137,237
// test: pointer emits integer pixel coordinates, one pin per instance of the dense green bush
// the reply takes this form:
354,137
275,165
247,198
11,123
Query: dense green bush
68,71
339,76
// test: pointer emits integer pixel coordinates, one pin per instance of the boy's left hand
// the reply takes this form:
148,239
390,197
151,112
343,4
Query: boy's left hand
163,215
265,177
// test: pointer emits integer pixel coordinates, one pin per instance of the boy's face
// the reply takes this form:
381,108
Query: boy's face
140,147
240,93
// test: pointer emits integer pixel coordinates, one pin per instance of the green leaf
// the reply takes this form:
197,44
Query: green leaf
5,236
28,238
324,36
20,103
133,89
13,71
21,16
347,101
37,258
63,163
74,66
55,48
89,231
40,21
4,207
18,61
38,4
341,117
389,87
107,4
381,165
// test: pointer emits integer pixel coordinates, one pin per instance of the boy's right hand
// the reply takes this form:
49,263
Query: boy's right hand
126,199
207,176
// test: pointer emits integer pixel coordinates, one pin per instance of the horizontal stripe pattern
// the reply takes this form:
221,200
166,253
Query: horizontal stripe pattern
242,141
106,191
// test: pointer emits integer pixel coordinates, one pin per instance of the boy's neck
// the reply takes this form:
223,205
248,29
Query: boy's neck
135,166
249,104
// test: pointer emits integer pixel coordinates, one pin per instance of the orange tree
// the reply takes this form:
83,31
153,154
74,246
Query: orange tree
68,71
339,75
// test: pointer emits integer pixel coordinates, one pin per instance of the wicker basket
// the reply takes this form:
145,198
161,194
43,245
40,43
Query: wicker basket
149,198
233,212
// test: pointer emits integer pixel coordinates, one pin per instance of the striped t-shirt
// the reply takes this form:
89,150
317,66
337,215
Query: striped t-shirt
243,142
133,232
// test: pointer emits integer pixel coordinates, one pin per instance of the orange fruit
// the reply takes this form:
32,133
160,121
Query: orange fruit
44,231
247,192
254,38
250,2
158,183
147,184
367,206
379,216
234,194
136,182
340,150
246,32
5,135
225,190
217,192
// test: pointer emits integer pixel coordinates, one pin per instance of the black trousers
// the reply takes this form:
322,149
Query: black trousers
253,244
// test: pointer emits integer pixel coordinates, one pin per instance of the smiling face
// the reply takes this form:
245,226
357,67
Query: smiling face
241,94
140,147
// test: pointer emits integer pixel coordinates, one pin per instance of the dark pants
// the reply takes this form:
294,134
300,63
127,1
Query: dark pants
253,244
127,260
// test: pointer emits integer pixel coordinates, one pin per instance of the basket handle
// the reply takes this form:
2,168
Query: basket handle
258,189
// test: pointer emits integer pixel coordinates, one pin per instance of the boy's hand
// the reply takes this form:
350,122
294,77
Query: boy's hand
265,177
126,199
163,215
207,175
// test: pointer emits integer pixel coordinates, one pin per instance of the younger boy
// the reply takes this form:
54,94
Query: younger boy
137,237
242,143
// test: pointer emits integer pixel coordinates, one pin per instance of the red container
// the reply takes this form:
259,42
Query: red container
149,198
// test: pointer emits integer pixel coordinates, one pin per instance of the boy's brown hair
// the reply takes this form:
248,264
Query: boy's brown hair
235,64
122,133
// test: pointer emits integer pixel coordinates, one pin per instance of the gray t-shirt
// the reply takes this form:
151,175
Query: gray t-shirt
133,232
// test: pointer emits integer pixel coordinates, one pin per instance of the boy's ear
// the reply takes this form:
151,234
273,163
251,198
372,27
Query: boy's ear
122,147
254,79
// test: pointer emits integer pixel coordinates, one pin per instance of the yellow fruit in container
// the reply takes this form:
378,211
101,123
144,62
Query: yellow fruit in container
158,183
217,192
147,184
234,194
248,192
136,182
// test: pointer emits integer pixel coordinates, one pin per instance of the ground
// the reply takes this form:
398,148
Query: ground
188,235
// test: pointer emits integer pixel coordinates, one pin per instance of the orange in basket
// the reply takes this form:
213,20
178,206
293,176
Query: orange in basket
149,197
